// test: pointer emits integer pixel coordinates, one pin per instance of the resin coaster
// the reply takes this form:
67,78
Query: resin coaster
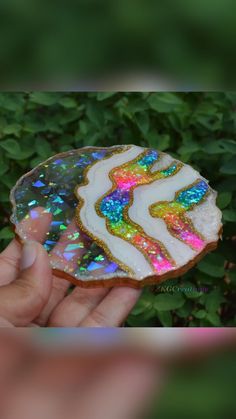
122,215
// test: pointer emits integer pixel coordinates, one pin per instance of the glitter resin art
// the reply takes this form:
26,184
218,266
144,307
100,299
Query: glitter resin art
122,215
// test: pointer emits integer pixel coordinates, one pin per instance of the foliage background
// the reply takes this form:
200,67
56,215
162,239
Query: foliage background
197,128
181,42
200,388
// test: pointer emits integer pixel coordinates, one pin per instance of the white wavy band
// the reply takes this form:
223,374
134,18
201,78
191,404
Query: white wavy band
99,184
206,217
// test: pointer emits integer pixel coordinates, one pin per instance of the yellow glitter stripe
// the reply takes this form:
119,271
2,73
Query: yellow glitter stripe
185,217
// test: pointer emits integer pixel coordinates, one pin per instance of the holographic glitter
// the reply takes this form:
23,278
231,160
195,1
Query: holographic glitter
51,186
114,207
115,238
174,214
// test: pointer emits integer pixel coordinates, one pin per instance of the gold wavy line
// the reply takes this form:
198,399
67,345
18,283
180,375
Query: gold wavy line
151,210
126,209
84,229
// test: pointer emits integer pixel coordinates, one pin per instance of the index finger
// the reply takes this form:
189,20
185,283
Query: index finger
113,309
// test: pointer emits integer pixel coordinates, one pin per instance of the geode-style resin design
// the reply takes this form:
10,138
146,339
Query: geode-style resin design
122,215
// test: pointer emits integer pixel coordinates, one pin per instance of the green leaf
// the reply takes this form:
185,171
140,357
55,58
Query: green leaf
105,95
4,163
45,98
11,146
14,150
137,105
43,148
91,139
144,304
164,302
189,290
165,318
220,147
12,129
143,320
200,314
13,102
185,310
83,127
34,162
158,141
68,102
163,142
95,114
203,279
229,215
3,168
190,147
229,146
213,300
213,265
223,199
67,117
6,233
229,167
166,102
142,120
24,154
214,319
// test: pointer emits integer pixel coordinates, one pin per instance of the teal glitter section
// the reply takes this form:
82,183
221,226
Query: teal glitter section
169,171
112,205
193,195
149,159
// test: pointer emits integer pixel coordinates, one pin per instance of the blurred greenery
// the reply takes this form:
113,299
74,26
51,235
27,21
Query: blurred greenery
200,389
183,42
197,128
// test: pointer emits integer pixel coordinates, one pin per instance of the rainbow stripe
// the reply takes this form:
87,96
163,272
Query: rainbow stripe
174,214
115,204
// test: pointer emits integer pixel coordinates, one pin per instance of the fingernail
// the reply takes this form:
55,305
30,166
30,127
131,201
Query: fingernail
29,254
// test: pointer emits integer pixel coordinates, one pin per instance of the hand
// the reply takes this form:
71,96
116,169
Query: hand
70,384
72,381
30,294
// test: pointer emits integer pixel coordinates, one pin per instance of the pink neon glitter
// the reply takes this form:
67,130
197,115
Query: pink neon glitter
112,206
174,214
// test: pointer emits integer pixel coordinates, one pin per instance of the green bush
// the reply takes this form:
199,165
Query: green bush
181,42
201,388
197,128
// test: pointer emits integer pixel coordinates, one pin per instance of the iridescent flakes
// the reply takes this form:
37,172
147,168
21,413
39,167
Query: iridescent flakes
146,214
50,186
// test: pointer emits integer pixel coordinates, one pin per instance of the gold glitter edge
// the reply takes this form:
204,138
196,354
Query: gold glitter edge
81,225
126,215
150,208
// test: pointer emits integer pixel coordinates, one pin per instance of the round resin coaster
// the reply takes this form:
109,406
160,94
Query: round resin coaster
122,215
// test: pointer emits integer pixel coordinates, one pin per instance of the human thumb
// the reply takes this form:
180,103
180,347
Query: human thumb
22,300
